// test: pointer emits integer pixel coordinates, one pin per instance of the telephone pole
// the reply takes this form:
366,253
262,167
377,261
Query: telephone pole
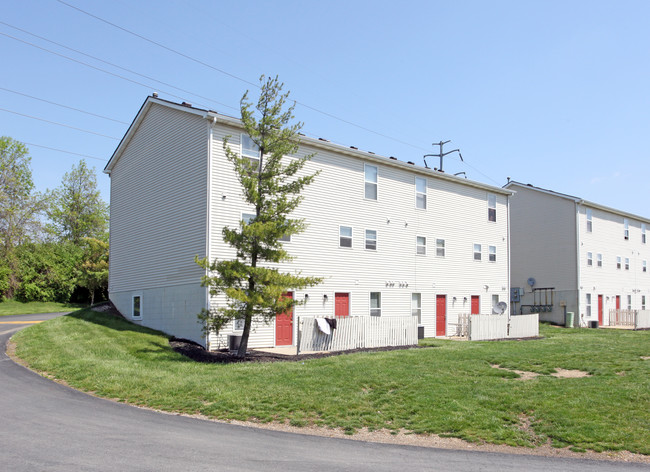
441,154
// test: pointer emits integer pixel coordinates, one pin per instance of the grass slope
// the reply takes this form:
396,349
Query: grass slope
12,307
449,389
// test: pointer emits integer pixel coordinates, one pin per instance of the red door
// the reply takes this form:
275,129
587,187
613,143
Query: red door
284,326
600,310
341,304
476,306
618,302
441,315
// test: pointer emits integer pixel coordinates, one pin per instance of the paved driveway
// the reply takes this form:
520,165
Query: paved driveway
45,426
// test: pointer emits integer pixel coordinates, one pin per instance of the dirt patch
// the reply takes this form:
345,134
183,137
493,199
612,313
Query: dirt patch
198,353
570,374
523,374
645,358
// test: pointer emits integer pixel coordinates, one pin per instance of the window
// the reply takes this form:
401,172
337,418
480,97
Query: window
492,253
618,262
495,302
371,239
345,236
629,302
643,302
136,306
590,224
626,229
251,150
416,306
589,305
421,193
627,263
440,247
286,238
375,303
599,260
238,324
590,260
370,181
644,266
247,217
477,252
492,207
421,245
643,233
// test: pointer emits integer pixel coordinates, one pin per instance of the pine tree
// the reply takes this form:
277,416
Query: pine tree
270,184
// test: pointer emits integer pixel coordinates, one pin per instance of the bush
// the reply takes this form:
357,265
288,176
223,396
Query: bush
47,272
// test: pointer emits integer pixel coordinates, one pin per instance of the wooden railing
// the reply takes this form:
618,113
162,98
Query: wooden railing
622,317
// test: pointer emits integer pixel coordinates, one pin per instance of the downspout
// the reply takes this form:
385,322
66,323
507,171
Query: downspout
211,121
509,288
577,233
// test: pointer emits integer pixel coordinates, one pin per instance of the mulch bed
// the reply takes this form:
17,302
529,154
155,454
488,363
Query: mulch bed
198,353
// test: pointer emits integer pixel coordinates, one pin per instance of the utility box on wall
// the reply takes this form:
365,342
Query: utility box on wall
516,294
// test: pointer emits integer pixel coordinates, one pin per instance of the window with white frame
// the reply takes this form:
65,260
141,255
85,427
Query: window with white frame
477,252
590,260
644,266
247,217
590,223
627,263
421,193
345,236
599,260
626,228
371,239
440,247
618,262
492,253
495,301
629,302
285,238
250,150
492,207
370,178
643,233
643,302
238,324
416,306
136,306
588,305
375,303
421,245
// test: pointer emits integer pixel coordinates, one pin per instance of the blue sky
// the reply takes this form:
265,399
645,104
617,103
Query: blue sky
553,93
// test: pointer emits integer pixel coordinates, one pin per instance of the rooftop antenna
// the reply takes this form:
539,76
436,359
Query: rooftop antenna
442,154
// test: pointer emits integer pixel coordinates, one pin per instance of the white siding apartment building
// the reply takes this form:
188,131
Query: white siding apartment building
390,238
594,257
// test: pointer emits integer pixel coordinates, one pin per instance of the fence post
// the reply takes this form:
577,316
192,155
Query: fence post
298,335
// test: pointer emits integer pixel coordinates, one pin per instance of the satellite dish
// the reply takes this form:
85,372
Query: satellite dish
499,308
531,281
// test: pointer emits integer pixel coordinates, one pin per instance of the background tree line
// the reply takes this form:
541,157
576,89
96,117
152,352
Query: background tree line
53,244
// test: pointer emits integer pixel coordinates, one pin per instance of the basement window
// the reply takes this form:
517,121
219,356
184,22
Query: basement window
136,306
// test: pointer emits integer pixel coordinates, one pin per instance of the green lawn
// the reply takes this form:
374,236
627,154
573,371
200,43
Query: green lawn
12,307
449,389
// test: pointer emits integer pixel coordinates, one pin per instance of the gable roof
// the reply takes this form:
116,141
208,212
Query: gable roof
320,143
578,200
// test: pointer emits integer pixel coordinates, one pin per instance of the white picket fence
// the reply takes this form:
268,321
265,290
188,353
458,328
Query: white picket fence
487,327
355,332
642,320
622,317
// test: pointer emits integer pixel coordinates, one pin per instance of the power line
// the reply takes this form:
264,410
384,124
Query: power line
64,106
66,152
186,56
117,66
58,124
158,44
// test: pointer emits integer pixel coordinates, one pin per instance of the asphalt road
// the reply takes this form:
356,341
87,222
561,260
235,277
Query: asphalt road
45,426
